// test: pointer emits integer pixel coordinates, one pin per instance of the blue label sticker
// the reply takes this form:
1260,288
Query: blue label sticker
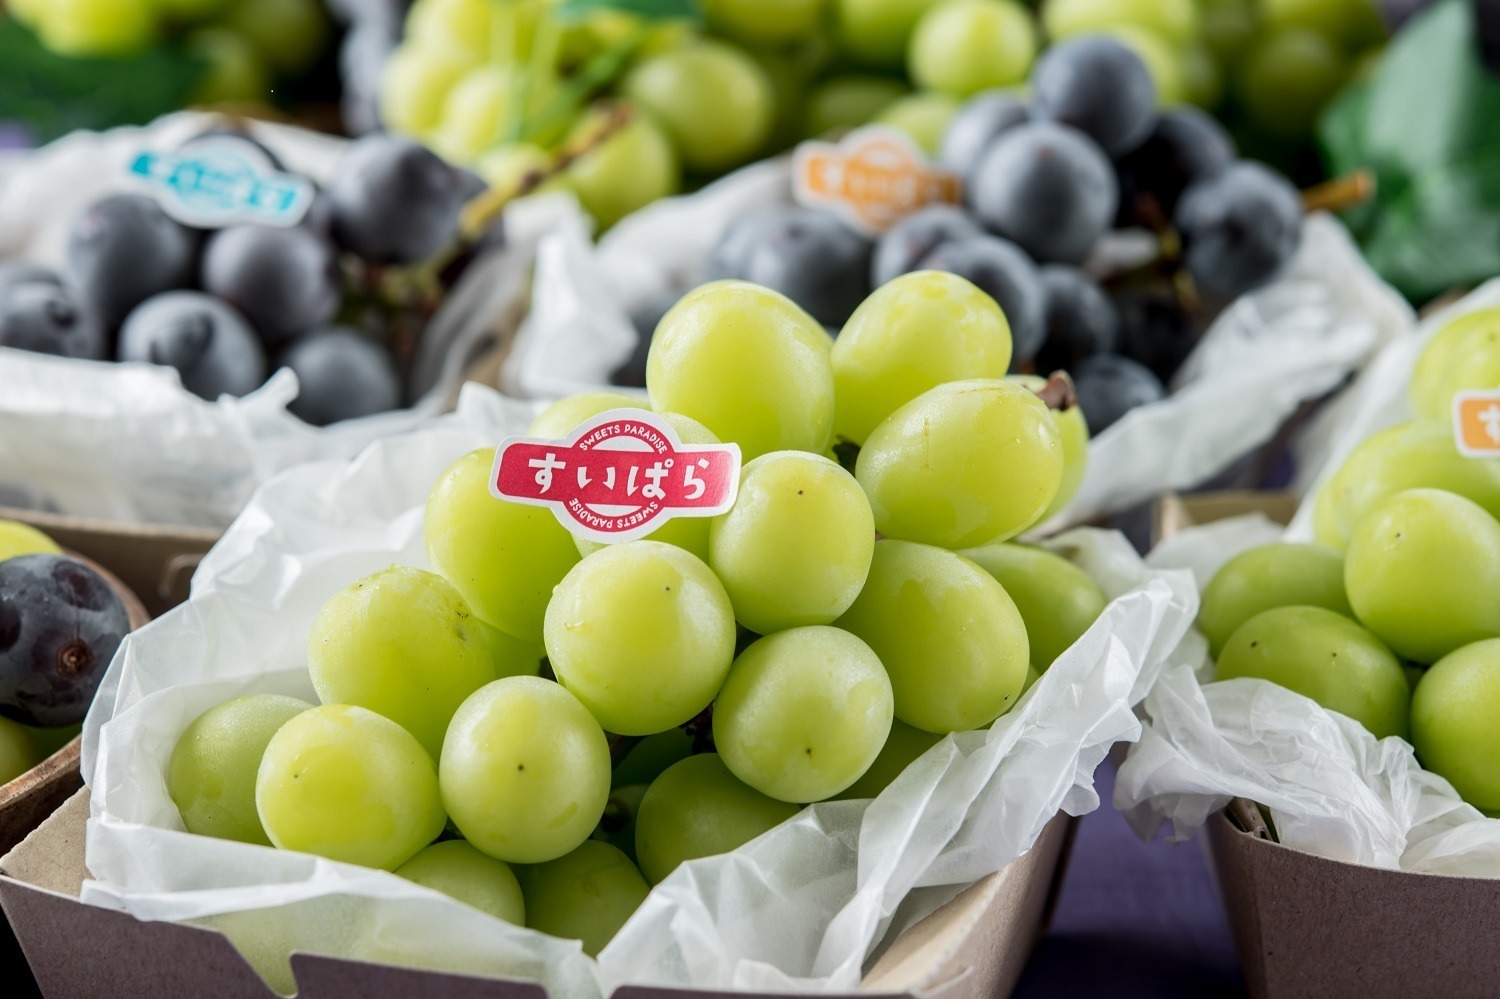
221,180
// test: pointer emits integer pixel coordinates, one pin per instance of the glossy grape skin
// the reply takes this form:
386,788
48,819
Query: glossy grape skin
1109,386
525,770
980,122
1080,319
803,713
697,808
209,344
901,749
1464,354
1175,20
586,896
1324,656
1100,87
1276,575
906,244
350,785
874,33
49,318
714,101
212,772
1453,722
394,202
965,46
1001,270
963,464
642,633
1421,571
1057,600
18,751
796,547
343,375
948,634
457,869
404,644
503,558
565,415
1046,187
1287,77
1186,146
847,102
811,257
749,365
17,538
123,249
632,168
913,334
923,116
1073,431
285,281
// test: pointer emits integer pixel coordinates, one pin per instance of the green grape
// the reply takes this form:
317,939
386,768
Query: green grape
901,749
505,168
1032,676
717,105
1174,20
350,785
948,634
965,46
565,415
465,26
288,34
1276,575
17,538
1324,656
763,22
796,547
1408,456
50,740
635,166
688,533
1163,61
191,10
803,713
503,558
1073,430
962,465
1354,24
18,751
510,656
653,754
1414,673
1226,27
1056,599
457,869
414,86
403,644
1202,77
642,634
923,116
1287,77
211,776
475,110
97,27
847,102
27,12
235,71
1464,354
617,825
1422,571
587,895
874,33
748,364
1453,722
913,334
525,770
697,808
595,33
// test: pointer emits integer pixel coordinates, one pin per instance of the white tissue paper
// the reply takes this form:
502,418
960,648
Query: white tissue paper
126,442
1332,788
1271,351
801,908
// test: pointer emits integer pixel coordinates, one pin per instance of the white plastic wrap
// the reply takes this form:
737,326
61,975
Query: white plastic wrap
800,908
125,441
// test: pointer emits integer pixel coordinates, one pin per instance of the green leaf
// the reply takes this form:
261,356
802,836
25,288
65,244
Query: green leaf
55,94
1425,123
654,10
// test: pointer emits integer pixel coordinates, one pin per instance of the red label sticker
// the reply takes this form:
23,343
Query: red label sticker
618,476
874,177
1476,423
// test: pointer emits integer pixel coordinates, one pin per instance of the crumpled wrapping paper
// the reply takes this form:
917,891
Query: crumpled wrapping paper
1332,788
800,908
1292,341
126,442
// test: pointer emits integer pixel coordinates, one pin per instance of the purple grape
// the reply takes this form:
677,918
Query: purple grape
1239,229
906,243
47,318
1109,386
17,272
1100,87
1081,320
343,375
124,249
1001,270
60,624
810,257
211,345
1187,145
395,202
285,281
644,318
1155,331
977,124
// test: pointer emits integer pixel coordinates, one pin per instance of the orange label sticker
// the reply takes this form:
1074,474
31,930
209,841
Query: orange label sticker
874,177
1476,423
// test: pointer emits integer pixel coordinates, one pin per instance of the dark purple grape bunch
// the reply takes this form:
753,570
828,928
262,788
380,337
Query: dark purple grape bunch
60,625
225,307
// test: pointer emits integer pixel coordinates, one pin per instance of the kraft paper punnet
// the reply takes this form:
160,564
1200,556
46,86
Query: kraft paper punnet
802,908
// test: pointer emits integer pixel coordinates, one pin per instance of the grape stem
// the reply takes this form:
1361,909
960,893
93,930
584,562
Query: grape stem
1058,393
1340,193
701,729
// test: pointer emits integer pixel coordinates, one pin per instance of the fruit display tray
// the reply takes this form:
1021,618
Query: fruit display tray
1306,925
975,947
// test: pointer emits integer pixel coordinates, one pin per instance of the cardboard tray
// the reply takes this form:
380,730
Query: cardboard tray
972,948
1310,926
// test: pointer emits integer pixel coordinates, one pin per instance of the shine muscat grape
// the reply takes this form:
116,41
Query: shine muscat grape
699,687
